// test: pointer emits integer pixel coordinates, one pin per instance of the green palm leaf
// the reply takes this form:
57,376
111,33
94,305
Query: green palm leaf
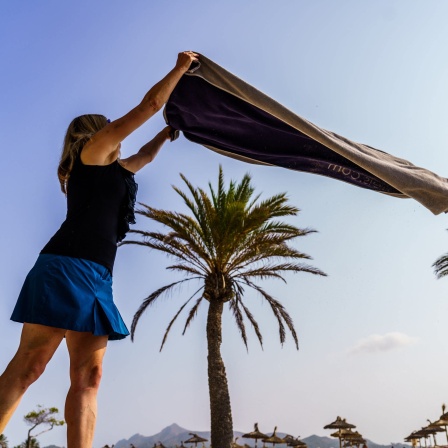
150,301
176,316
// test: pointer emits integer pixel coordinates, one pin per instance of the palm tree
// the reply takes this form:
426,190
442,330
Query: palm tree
3,441
232,240
441,266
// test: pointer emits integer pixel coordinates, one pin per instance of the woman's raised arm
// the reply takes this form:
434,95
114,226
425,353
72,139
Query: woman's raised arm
148,152
104,145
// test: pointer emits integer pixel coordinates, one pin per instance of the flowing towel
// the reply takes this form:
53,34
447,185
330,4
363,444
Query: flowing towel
216,109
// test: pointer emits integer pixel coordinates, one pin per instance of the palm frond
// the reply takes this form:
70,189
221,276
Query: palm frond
150,300
234,306
252,255
175,317
189,203
169,244
185,228
244,192
185,268
192,313
240,290
260,273
441,266
218,196
272,270
280,313
198,210
275,206
254,323
136,242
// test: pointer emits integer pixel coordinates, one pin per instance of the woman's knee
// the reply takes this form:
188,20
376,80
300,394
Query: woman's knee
33,371
86,358
26,368
86,377
37,346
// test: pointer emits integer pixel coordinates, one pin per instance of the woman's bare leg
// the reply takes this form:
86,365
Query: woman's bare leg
37,346
86,358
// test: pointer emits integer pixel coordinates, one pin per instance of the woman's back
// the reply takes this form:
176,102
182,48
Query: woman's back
100,203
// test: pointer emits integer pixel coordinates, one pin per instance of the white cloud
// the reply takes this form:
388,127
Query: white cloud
382,343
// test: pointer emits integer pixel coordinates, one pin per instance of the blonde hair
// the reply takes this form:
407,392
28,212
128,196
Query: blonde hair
79,132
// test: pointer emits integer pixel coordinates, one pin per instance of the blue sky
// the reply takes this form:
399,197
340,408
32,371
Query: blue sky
373,335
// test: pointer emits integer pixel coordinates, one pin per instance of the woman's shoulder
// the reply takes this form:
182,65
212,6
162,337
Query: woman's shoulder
82,163
92,154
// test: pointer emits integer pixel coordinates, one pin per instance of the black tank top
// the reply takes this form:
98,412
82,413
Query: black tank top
100,207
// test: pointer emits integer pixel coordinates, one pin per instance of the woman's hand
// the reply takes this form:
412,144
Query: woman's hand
173,134
169,133
185,59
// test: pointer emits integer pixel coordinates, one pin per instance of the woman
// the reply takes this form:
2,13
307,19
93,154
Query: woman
68,292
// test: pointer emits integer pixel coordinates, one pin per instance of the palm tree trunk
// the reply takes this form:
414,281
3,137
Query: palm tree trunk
220,410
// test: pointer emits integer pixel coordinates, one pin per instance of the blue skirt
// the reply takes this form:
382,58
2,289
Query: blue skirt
70,293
